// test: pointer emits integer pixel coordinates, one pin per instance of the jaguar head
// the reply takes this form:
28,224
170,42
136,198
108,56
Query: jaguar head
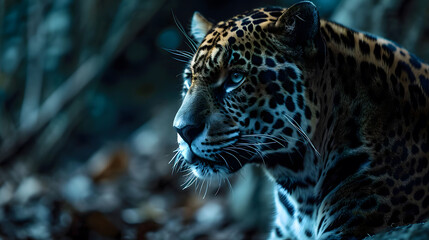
244,90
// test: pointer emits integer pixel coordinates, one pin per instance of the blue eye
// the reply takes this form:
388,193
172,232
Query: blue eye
234,80
237,77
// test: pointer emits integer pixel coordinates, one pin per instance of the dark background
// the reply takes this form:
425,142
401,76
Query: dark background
87,99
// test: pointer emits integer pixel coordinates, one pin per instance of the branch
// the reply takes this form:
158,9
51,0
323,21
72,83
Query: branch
87,72
34,78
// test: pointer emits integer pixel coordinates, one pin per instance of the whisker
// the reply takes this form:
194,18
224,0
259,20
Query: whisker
180,60
226,163
191,41
274,138
226,151
207,187
297,127
175,155
229,184
180,53
219,185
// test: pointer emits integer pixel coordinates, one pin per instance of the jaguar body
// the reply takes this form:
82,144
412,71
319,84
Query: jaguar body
338,118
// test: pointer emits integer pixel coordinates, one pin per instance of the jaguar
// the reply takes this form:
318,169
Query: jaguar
337,118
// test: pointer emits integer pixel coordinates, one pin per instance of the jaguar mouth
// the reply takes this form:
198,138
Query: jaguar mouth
226,161
222,164
223,157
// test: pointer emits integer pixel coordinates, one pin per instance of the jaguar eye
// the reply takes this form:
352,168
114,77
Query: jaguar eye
234,80
237,77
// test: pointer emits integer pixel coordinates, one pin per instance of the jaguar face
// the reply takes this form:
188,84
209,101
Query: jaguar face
243,95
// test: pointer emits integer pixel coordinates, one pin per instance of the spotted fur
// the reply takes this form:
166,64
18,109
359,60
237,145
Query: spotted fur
338,118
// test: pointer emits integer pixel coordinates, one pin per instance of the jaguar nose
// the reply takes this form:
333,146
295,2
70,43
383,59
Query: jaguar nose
189,132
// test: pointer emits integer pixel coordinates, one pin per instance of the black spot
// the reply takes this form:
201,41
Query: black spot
259,21
257,126
364,47
308,233
240,33
279,124
267,76
280,59
246,22
247,55
403,67
290,104
297,118
299,87
348,40
307,113
231,40
419,194
389,57
259,15
267,117
377,51
270,62
415,61
287,131
333,34
287,84
389,46
291,73
272,88
370,37
256,60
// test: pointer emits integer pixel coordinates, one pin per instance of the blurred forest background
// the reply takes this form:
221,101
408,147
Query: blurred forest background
87,99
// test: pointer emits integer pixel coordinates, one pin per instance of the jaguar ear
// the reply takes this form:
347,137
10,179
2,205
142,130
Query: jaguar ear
200,26
298,25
